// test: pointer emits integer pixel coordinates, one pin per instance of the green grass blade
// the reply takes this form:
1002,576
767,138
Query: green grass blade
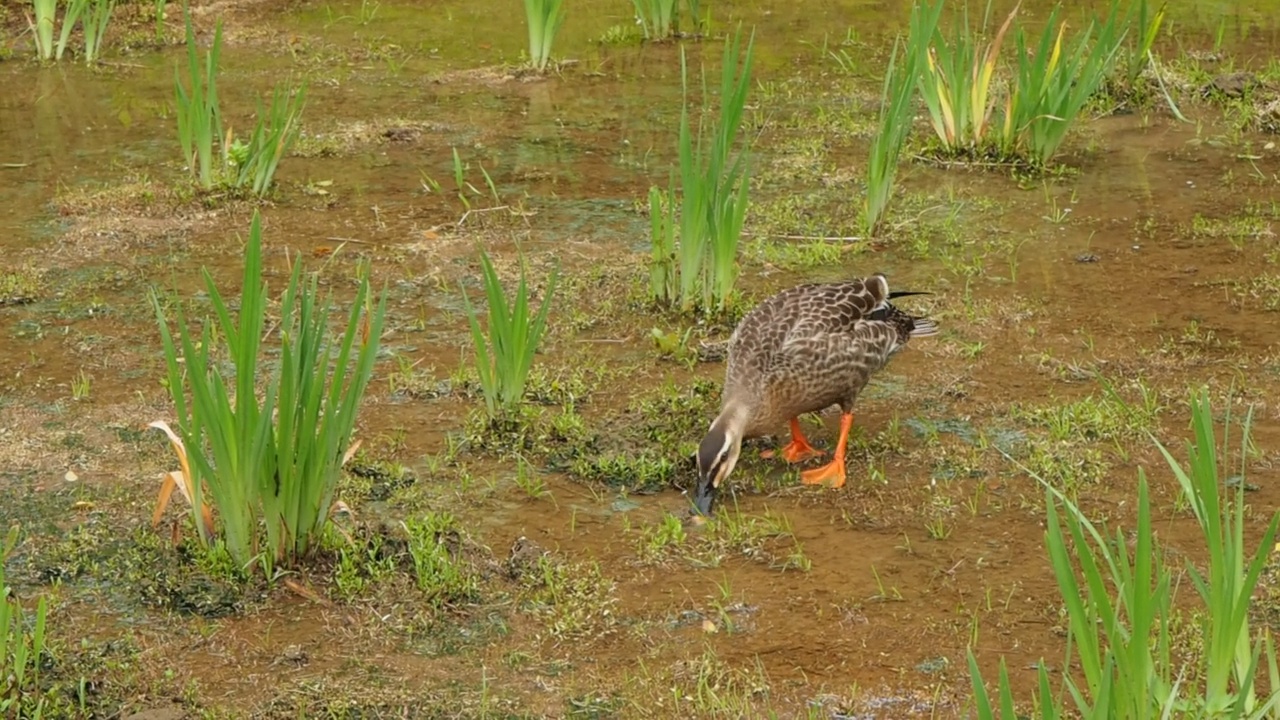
46,18
75,8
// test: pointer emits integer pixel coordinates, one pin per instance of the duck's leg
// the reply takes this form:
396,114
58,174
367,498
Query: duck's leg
798,449
834,470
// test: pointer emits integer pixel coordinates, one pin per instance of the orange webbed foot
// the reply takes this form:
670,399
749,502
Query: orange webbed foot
832,471
799,449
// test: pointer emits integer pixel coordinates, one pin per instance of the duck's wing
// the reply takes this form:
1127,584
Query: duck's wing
807,329
836,307
815,370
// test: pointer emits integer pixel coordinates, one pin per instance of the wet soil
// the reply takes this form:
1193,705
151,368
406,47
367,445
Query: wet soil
1147,261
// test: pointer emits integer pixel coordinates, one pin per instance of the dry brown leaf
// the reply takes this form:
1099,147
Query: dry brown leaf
338,508
299,589
351,452
181,479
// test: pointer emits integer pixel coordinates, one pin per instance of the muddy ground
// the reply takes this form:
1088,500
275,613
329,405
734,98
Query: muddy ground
1144,260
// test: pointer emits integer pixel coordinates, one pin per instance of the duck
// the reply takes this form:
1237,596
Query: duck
800,351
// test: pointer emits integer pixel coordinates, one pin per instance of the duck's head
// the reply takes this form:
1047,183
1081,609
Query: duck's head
717,455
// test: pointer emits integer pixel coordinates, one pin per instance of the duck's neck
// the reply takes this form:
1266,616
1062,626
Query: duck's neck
733,419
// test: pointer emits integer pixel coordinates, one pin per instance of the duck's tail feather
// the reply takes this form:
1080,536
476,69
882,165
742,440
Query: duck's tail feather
923,327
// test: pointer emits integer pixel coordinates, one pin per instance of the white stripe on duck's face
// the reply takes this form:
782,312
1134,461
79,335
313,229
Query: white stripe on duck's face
717,456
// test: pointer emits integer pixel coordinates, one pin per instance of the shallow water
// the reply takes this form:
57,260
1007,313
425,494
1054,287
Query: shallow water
1132,264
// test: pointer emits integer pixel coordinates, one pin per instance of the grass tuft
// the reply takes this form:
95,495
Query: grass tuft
21,648
1117,589
575,599
504,354
441,574
544,18
698,273
277,461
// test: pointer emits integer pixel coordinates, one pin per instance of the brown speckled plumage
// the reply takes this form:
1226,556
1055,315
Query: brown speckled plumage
811,347
801,351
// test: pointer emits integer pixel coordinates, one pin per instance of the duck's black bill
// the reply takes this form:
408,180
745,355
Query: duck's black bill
703,499
908,293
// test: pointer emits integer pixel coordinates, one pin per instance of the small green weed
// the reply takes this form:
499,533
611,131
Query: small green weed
676,414
1065,466
1104,417
574,598
361,565
21,648
657,541
530,481
20,287
435,542
707,687
639,473
1262,290
80,386
623,34
763,538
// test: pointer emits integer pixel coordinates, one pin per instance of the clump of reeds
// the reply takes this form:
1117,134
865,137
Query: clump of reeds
21,647
1053,83
198,112
1117,589
268,465
657,17
956,78
505,347
92,15
698,272
217,158
1048,87
544,18
895,116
